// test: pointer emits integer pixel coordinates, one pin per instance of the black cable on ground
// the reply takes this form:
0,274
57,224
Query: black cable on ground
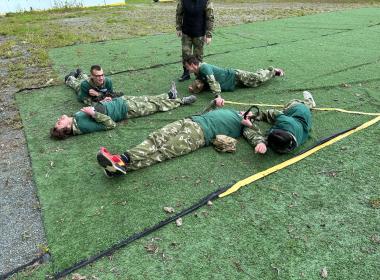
141,234
39,259
324,140
33,88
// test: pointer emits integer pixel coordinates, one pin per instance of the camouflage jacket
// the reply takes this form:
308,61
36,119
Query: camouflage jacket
209,17
254,135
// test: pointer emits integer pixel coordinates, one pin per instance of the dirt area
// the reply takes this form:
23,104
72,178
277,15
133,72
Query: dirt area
20,221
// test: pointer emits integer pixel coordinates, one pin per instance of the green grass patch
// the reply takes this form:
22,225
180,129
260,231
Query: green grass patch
317,213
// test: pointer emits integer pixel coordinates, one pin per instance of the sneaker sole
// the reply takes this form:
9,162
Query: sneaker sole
107,164
112,174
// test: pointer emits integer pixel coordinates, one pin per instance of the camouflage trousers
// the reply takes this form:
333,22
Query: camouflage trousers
173,140
145,105
308,103
74,83
191,46
253,79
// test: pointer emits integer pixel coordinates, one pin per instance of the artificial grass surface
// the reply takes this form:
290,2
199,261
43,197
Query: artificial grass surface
289,225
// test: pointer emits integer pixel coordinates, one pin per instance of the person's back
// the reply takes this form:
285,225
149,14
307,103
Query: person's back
219,122
194,19
224,76
296,120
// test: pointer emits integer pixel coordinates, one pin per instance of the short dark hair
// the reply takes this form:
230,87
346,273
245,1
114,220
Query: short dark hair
60,134
192,59
281,141
95,67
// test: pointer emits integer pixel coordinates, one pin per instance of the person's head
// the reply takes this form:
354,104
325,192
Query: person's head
62,128
281,141
196,86
192,64
97,74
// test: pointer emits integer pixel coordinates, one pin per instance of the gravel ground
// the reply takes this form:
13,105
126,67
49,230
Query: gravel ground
20,218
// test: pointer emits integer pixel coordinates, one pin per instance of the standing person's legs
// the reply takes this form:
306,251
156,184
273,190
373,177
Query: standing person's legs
187,49
198,44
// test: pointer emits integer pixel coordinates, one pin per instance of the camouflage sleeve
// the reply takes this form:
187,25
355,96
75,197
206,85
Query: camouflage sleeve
105,120
254,135
88,101
209,18
75,128
269,116
179,16
214,85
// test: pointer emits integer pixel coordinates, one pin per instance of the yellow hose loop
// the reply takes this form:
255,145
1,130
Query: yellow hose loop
314,109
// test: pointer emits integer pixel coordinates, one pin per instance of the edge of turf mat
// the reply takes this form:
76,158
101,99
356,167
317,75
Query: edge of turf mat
212,196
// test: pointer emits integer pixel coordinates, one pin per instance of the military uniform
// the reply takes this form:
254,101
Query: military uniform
226,79
83,84
295,118
121,108
195,19
184,136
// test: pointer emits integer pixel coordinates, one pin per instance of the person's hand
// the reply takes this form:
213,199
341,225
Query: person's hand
179,33
246,122
93,92
248,116
261,148
107,99
190,88
219,102
89,111
207,40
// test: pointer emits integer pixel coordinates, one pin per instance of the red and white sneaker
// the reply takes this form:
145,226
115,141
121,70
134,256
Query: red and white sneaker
111,163
279,72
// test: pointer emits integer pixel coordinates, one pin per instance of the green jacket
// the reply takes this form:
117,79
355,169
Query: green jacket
106,116
219,79
86,85
219,122
295,119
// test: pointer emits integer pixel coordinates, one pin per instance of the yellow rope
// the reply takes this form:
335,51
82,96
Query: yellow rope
291,161
316,109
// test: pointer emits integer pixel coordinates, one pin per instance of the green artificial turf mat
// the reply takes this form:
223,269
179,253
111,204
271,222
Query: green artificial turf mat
289,225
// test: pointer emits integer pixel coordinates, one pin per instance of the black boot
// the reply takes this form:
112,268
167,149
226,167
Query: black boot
185,76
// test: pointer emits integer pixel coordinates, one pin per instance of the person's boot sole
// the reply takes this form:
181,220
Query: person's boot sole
107,164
